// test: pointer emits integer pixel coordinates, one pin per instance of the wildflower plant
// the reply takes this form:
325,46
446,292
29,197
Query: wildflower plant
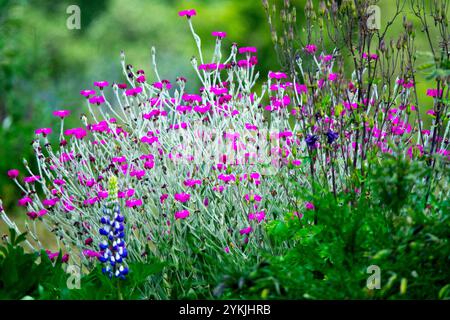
155,170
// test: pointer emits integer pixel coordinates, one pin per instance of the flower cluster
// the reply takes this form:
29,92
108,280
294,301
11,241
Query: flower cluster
206,164
113,251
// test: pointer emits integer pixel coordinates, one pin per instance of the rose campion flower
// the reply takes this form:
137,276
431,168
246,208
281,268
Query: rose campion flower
13,173
187,13
183,214
182,197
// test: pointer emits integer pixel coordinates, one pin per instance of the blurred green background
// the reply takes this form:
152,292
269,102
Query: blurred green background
44,65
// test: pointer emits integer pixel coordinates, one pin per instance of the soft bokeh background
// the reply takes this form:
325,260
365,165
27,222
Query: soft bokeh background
44,65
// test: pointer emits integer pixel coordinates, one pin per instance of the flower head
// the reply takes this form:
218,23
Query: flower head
183,214
187,13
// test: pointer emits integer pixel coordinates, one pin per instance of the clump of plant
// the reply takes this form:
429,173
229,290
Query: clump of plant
227,175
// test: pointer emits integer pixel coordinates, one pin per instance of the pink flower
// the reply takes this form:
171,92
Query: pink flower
192,182
78,133
43,131
101,84
309,206
163,198
431,112
253,197
13,173
277,75
296,162
182,197
247,50
227,250
311,48
219,34
332,76
24,201
261,215
91,254
434,93
133,91
183,214
61,113
31,179
188,13
97,100
131,203
87,93
246,230
140,79
49,202
301,88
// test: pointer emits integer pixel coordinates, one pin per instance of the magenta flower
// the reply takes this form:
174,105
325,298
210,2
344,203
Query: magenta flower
227,250
301,88
140,79
78,133
61,113
91,254
277,75
31,179
43,131
97,100
309,206
101,84
333,76
188,13
311,48
133,91
247,50
219,34
131,203
253,197
246,230
183,214
261,215
13,173
163,198
435,93
87,93
182,197
24,201
192,182
49,202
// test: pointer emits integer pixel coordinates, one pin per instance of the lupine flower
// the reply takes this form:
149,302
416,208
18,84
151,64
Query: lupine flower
311,140
113,251
331,136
